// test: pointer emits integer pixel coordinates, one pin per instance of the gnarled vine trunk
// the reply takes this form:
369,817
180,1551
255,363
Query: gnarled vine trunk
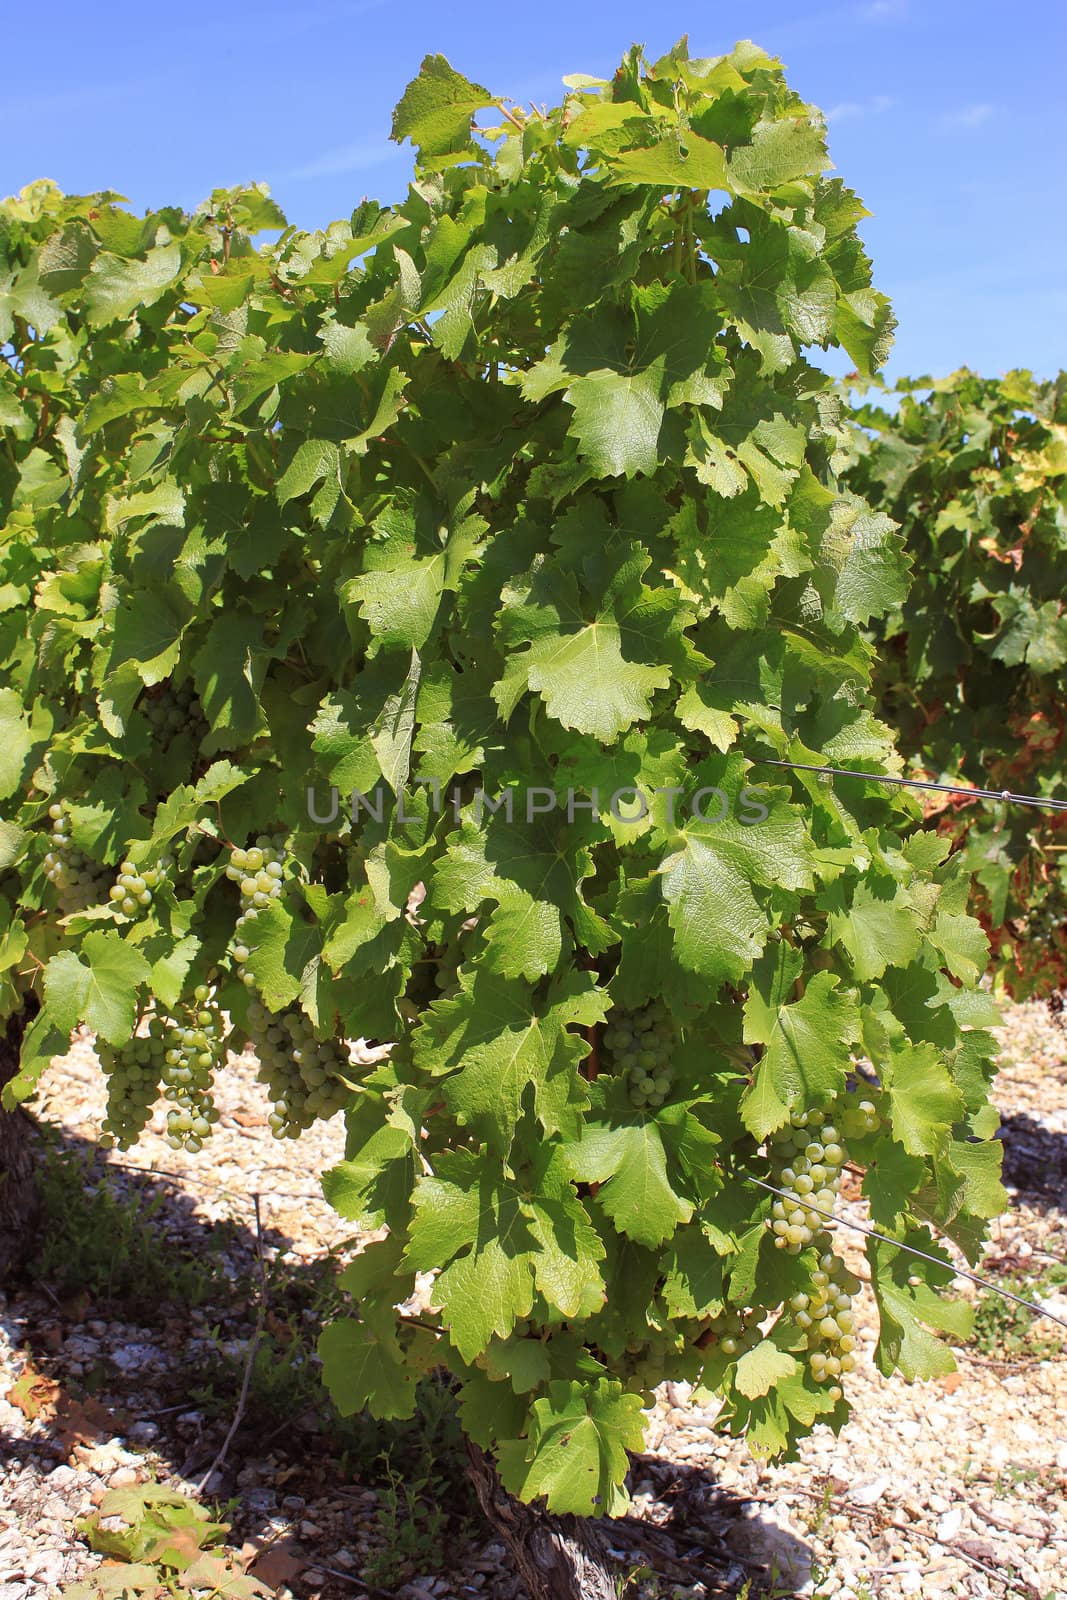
18,1193
558,1558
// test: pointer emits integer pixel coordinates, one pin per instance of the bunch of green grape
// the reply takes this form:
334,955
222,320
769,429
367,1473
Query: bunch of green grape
133,890
639,1045
806,1159
300,1071
76,878
174,709
260,873
825,1315
446,972
731,1334
133,1071
194,1048
857,1117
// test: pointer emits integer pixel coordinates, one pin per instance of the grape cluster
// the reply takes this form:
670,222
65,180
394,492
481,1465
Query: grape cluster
446,973
260,873
640,1045
729,1333
132,891
194,1046
133,1071
172,710
825,1315
858,1116
806,1160
74,876
300,1071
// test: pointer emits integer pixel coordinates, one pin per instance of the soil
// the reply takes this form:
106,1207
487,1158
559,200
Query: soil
958,1487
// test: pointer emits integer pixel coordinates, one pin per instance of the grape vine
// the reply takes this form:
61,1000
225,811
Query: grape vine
972,673
439,554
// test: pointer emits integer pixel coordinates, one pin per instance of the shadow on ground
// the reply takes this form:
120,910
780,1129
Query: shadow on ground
1035,1162
142,1312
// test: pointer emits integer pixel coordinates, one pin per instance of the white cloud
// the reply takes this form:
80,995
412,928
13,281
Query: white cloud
848,109
341,159
883,10
967,117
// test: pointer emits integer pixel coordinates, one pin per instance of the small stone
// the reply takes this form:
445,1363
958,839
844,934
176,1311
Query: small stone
980,1549
949,1525
122,1478
137,1356
82,1348
343,1558
261,1499
313,1577
910,1581
143,1432
869,1493
937,1503
310,1530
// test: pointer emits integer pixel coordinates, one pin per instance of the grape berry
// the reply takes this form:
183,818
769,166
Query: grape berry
807,1157
133,1071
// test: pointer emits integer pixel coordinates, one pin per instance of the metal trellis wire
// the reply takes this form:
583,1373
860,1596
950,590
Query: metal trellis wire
909,1249
1008,795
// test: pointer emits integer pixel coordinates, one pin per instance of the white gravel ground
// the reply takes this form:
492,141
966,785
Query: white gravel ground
957,1488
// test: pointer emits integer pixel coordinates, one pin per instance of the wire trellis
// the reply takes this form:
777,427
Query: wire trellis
909,1249
1009,795
830,1216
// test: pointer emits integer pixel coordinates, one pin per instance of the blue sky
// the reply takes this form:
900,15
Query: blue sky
945,116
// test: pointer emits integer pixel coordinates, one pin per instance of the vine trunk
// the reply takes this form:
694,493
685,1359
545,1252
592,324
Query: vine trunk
558,1558
18,1192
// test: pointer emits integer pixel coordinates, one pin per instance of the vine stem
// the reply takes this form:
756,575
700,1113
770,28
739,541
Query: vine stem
253,1346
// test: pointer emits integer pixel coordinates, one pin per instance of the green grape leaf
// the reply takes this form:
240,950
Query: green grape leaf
497,1240
576,1456
499,1046
878,929
436,108
115,287
102,991
363,1366
634,1156
924,1102
762,1367
909,1310
596,674
807,1046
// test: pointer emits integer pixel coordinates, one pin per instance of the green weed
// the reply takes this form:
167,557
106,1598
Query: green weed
1007,1331
106,1245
